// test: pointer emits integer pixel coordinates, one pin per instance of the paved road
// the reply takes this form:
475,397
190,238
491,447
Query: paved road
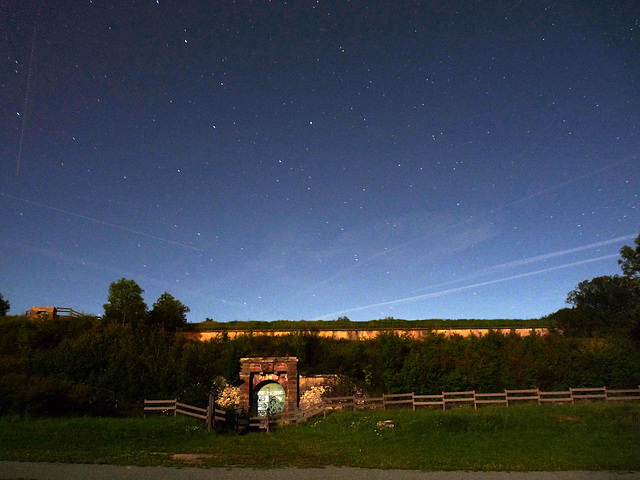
66,471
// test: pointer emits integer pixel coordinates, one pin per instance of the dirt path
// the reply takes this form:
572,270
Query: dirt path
65,471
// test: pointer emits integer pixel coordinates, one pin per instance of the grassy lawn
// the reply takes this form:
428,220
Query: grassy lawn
581,437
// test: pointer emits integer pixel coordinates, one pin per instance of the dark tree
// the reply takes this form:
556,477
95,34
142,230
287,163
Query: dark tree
125,302
607,294
607,304
630,261
4,306
168,312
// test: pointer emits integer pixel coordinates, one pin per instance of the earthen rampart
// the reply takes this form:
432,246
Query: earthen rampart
367,334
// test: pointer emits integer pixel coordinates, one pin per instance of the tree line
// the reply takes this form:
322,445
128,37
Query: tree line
109,365
126,305
606,305
88,366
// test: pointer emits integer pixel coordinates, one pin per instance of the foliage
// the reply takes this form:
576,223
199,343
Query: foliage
87,366
64,365
589,322
4,306
606,305
611,294
340,386
125,302
630,261
576,323
168,312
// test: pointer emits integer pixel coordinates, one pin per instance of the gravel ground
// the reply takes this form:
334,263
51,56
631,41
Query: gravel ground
66,471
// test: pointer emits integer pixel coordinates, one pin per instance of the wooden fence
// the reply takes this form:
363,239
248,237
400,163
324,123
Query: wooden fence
506,398
68,312
297,416
214,416
35,313
210,415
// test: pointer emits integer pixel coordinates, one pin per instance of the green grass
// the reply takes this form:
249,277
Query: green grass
582,437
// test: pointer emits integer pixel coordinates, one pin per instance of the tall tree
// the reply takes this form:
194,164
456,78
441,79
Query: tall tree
168,312
607,303
606,293
630,261
125,302
4,306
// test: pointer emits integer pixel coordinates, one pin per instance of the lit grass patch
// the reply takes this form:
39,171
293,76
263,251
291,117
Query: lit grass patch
523,438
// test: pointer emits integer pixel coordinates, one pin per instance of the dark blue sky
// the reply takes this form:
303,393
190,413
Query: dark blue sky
302,160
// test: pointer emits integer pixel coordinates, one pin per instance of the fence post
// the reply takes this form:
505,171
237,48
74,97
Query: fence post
211,412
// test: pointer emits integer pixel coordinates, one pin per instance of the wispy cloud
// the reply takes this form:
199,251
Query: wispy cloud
466,287
106,224
559,253
527,261
76,260
577,178
425,248
443,227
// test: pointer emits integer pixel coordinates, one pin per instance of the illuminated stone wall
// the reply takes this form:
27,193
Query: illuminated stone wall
366,334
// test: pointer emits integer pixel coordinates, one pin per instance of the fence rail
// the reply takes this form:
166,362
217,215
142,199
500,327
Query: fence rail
214,416
191,411
614,395
210,415
506,398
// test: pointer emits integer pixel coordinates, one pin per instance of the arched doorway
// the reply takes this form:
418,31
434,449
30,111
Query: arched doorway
257,372
270,398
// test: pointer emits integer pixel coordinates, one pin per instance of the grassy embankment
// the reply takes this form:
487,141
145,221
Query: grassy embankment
312,325
582,437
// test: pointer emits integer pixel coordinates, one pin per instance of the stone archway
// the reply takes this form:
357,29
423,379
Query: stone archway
258,373
270,398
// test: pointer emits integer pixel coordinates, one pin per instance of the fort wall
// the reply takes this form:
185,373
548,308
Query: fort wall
367,334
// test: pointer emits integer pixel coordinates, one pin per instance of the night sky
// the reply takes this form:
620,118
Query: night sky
316,159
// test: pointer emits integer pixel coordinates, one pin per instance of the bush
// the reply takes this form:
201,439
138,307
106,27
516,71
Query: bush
51,368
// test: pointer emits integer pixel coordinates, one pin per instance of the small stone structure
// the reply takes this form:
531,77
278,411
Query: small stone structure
43,312
36,313
260,372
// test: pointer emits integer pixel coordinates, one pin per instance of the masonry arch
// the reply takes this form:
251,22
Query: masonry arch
270,398
274,378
